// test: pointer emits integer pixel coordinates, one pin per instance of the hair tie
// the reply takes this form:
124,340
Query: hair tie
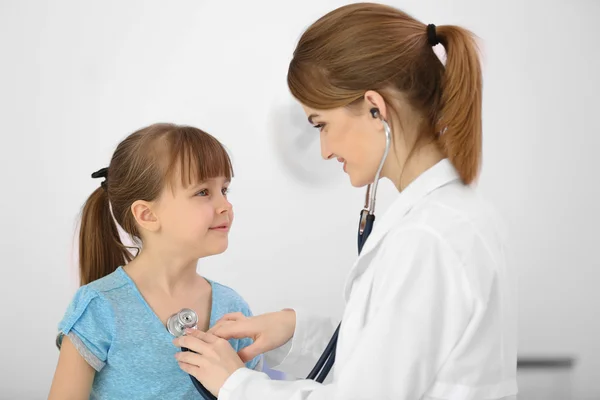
101,173
432,38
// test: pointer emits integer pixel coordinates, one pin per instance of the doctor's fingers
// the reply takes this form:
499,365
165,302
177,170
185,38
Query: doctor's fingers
227,319
215,328
236,316
236,329
193,359
196,345
207,337
248,353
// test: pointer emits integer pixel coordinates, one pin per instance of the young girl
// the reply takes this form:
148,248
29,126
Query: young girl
167,187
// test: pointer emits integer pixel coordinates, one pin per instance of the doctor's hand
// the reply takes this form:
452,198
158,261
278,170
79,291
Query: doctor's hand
211,360
268,331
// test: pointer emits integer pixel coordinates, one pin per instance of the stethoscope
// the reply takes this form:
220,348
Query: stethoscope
187,318
176,325
365,226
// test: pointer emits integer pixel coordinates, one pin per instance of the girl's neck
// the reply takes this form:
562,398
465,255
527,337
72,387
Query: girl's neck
155,271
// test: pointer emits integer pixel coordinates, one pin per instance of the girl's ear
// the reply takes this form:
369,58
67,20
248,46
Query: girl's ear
144,216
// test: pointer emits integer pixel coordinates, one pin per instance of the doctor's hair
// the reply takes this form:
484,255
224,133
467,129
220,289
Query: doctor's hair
366,46
143,165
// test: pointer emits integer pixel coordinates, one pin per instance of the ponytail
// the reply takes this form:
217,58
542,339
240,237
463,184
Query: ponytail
460,123
100,249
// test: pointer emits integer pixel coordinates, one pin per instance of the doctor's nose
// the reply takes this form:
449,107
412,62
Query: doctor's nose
325,151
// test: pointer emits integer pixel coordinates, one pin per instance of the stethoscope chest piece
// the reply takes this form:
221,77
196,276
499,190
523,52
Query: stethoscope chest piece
176,325
179,322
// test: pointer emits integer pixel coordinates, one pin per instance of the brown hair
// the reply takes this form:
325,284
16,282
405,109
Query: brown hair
141,167
367,46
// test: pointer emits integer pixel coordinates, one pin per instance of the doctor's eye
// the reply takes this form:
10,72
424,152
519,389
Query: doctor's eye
319,126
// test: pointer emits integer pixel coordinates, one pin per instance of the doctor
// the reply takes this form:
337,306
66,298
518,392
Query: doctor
430,302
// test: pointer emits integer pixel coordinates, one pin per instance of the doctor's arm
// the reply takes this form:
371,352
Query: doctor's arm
291,340
422,305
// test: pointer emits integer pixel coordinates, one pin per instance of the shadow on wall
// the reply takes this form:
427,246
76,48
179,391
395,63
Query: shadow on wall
545,378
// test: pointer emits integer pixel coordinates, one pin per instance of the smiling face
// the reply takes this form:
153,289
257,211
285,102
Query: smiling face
195,220
353,137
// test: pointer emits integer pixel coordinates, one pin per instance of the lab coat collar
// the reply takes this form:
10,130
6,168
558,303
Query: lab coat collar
435,177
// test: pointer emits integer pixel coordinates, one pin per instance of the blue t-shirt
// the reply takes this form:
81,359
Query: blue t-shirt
120,336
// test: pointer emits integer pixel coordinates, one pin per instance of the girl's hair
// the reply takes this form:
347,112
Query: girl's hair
142,166
367,46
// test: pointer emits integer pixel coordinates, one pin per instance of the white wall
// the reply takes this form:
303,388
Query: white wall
76,77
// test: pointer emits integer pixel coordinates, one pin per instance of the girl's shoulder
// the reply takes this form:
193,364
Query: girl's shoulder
227,300
89,318
98,296
110,282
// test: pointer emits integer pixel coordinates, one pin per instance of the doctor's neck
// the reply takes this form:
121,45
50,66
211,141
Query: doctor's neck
412,152
404,173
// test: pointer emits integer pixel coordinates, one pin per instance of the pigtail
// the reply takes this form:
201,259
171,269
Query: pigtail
100,249
460,124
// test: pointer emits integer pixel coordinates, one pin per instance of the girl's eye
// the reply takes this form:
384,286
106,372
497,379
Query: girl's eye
205,192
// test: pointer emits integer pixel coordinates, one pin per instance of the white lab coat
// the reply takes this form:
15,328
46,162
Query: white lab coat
430,309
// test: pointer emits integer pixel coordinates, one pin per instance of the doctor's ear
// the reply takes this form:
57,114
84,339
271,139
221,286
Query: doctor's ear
145,216
376,104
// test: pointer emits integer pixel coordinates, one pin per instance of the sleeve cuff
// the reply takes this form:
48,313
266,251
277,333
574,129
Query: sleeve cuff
291,351
236,379
83,350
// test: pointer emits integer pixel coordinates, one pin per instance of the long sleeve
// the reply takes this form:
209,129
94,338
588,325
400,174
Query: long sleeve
421,305
298,356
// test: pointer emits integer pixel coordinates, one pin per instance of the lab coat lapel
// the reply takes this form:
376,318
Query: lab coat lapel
437,176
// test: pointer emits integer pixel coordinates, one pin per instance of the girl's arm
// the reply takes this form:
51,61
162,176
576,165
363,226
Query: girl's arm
73,377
